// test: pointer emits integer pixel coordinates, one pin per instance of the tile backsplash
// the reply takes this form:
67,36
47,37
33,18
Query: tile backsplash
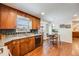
7,31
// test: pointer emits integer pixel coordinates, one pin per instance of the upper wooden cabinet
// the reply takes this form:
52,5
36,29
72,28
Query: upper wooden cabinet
7,17
38,23
35,23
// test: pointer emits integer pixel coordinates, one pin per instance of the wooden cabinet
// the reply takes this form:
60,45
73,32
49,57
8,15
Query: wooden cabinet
31,43
38,23
12,19
16,50
35,23
7,17
75,34
24,46
13,46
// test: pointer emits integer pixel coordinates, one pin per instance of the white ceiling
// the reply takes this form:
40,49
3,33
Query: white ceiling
53,11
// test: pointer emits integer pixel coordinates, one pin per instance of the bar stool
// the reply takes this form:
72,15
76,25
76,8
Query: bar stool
55,39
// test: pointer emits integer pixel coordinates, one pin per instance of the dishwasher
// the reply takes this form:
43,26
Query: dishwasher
37,41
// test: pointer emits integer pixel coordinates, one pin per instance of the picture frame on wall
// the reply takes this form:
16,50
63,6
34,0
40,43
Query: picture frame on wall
65,25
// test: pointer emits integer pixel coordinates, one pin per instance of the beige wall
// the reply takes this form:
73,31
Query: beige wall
75,24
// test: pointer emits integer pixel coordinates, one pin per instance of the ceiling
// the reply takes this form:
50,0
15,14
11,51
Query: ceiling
53,11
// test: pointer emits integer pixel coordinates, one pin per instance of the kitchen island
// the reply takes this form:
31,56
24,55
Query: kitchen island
22,44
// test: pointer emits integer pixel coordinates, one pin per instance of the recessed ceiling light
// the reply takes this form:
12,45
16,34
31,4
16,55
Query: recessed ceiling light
53,25
75,15
42,13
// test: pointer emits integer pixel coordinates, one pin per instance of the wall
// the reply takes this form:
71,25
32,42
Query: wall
75,24
44,29
50,29
47,28
65,34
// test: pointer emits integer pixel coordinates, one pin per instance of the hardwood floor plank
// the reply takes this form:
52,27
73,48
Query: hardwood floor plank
65,49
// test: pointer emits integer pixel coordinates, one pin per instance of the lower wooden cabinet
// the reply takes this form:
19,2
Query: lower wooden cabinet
22,46
31,43
15,48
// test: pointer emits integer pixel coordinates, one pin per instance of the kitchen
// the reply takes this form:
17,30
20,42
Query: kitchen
14,25
39,29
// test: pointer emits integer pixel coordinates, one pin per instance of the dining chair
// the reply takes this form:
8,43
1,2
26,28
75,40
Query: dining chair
55,39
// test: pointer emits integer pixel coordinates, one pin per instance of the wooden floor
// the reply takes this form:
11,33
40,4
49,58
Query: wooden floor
65,49
75,47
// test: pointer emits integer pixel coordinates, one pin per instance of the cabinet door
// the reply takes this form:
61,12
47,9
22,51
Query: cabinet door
23,46
38,24
16,49
8,18
11,21
34,24
4,16
31,43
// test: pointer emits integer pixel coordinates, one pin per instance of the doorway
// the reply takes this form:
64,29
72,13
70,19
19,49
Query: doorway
75,35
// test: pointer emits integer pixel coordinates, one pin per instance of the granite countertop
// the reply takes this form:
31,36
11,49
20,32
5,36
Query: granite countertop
18,37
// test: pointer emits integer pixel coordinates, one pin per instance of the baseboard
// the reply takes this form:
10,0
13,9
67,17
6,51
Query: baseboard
66,42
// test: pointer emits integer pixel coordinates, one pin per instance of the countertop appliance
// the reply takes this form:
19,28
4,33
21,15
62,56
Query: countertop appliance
35,31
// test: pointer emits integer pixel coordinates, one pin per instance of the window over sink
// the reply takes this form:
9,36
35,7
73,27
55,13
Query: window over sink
24,24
